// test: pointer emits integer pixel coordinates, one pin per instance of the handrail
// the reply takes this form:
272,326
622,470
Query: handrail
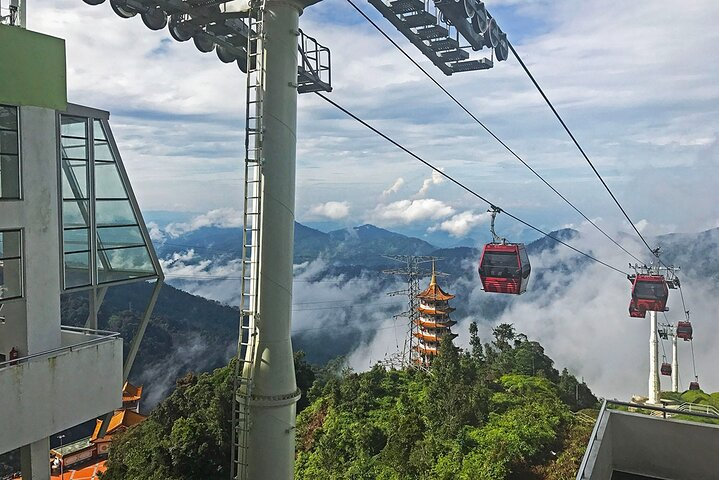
102,336
662,409
707,408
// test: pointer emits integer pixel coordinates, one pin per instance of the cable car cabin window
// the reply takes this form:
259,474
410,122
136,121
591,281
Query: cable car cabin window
650,290
526,267
500,264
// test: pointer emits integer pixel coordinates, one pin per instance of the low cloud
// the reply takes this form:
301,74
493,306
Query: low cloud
220,217
461,224
156,233
330,210
405,212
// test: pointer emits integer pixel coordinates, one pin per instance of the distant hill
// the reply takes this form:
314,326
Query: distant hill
189,332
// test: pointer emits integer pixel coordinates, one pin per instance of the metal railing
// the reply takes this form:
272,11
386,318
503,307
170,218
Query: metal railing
688,407
100,336
666,414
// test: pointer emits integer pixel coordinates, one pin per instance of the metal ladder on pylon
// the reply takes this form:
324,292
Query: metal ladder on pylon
251,240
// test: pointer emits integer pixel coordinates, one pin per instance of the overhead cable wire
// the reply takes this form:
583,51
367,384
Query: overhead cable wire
694,363
462,185
579,147
684,305
488,130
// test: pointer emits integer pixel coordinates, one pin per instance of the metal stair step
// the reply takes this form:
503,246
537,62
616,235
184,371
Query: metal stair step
406,6
420,19
434,31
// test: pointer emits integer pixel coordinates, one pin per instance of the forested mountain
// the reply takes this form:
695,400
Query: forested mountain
500,410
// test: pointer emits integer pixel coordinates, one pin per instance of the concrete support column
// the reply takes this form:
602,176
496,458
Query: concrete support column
35,460
653,359
675,364
274,395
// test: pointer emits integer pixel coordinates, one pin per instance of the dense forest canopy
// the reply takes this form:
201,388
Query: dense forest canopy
500,410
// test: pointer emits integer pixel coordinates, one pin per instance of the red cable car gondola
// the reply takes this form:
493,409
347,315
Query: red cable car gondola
666,369
649,292
504,267
685,330
694,386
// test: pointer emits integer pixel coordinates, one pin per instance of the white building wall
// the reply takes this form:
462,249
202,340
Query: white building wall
34,327
52,393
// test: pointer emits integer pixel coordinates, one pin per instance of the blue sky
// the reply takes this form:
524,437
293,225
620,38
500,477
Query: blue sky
636,82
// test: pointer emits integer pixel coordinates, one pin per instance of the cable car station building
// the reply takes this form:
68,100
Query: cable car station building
69,222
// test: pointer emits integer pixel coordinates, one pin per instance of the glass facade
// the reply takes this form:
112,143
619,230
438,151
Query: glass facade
9,153
10,264
96,199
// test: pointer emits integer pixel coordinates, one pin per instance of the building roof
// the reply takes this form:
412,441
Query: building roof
122,418
131,393
434,291
436,311
69,448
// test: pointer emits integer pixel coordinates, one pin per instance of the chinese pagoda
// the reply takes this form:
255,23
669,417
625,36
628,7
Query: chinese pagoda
433,321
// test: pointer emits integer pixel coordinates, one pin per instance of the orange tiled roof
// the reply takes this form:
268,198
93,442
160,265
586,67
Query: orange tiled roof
131,393
434,291
434,324
122,418
88,472
436,311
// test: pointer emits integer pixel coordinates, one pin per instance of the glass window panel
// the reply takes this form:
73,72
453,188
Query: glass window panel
75,170
109,237
76,240
75,213
8,142
102,152
125,263
9,177
97,130
72,126
74,148
77,269
9,244
114,212
8,117
10,278
108,183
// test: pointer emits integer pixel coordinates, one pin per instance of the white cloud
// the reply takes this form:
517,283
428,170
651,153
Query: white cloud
220,217
394,188
179,143
156,234
460,224
330,210
411,211
435,179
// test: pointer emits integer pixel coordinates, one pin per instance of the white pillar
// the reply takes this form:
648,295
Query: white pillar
653,358
675,364
274,395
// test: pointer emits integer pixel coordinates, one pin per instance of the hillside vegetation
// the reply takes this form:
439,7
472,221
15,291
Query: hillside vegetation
498,411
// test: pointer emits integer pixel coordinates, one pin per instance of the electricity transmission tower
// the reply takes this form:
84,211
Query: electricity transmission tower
411,270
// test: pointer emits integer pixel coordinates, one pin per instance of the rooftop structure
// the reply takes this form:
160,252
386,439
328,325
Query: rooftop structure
628,445
69,222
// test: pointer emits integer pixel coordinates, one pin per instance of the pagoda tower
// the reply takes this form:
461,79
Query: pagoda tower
433,321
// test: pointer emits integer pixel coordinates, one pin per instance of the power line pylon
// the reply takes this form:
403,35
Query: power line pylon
412,271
